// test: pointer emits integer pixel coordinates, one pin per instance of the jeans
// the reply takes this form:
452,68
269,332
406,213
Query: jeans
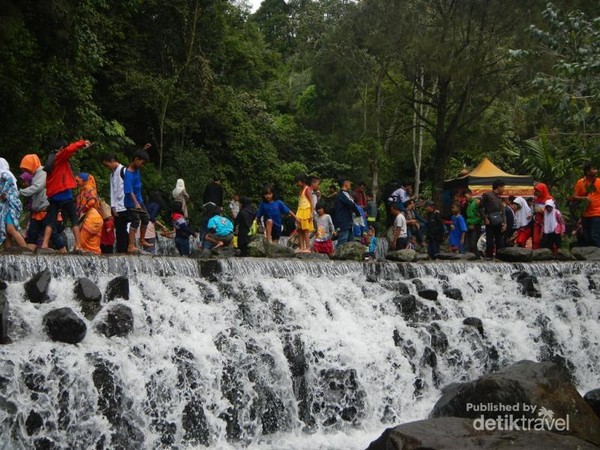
183,245
494,238
345,236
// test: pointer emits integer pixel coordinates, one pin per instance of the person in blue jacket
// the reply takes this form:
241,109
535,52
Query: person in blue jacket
342,216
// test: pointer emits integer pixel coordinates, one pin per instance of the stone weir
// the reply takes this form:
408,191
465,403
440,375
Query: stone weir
22,267
128,352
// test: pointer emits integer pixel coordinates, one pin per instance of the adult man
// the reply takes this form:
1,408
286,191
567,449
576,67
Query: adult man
474,222
117,200
491,209
213,192
400,237
434,233
588,188
342,217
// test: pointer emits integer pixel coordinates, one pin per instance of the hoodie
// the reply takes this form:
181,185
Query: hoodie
37,189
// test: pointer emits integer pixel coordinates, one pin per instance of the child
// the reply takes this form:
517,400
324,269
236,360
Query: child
87,204
325,231
60,183
220,230
10,210
458,230
554,227
400,238
244,222
371,242
270,211
35,180
183,231
134,202
304,216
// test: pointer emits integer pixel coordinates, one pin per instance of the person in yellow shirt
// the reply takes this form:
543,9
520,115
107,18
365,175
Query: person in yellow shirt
588,189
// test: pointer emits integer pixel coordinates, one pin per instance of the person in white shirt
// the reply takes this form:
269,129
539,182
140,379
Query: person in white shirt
234,206
400,238
117,200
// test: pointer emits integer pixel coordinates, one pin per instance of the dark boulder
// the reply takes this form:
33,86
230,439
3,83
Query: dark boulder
514,254
439,340
586,253
351,251
474,322
449,433
453,293
593,399
33,423
36,288
89,297
429,294
528,284
396,286
406,304
117,288
118,321
63,325
451,256
418,283
405,255
529,383
194,423
542,254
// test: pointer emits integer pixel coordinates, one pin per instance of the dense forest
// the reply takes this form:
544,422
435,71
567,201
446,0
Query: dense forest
375,90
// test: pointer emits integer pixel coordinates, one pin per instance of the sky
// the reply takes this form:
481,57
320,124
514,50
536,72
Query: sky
254,4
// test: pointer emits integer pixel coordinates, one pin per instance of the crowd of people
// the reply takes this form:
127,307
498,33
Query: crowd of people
131,222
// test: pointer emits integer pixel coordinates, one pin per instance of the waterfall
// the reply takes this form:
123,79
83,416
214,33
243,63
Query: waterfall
277,354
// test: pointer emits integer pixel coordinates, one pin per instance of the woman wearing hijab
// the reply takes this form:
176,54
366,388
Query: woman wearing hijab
181,195
10,208
5,169
91,221
540,195
523,216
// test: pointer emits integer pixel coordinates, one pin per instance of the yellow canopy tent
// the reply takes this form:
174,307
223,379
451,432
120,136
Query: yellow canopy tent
480,180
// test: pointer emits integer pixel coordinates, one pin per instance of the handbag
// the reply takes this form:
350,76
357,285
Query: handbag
495,219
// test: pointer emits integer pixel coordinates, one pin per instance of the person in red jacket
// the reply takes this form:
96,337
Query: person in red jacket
59,185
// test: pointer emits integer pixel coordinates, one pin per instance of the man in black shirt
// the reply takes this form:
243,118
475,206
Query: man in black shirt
492,211
213,193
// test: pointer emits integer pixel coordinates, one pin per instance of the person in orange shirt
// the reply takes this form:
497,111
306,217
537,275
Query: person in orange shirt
588,189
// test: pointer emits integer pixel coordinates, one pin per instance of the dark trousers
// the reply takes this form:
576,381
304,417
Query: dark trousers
494,239
121,235
472,238
433,247
183,245
591,230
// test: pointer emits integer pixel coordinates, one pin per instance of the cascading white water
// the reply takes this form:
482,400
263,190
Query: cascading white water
277,354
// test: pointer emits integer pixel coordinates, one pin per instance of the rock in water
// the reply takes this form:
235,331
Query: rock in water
3,314
528,283
450,433
261,248
429,294
586,253
89,297
514,254
117,288
474,322
36,288
453,293
406,255
540,385
64,325
451,256
593,399
542,254
117,322
351,251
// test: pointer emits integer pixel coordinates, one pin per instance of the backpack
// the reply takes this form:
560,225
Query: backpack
123,169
